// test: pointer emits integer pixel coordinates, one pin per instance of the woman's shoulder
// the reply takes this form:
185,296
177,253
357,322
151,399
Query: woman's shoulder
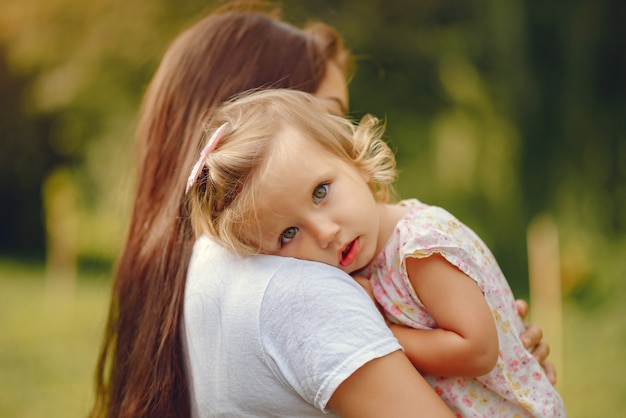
214,266
309,280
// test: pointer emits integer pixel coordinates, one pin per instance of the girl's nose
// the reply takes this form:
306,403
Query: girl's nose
325,233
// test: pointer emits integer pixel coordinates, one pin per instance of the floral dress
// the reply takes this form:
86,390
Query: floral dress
517,386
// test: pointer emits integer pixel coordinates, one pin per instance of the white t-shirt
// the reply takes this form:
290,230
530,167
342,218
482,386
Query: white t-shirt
273,336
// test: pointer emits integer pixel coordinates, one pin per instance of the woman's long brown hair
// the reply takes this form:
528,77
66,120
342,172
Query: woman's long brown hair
141,368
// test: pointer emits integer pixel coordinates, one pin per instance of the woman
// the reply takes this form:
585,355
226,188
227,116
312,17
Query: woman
143,368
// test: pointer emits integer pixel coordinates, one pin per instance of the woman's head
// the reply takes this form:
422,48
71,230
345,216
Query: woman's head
261,128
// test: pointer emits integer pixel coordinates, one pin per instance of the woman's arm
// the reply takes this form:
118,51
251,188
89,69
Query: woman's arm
466,344
388,386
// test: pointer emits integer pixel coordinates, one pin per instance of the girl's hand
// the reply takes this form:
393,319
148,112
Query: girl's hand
531,338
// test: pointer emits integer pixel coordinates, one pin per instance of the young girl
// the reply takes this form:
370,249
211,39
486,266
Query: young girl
281,176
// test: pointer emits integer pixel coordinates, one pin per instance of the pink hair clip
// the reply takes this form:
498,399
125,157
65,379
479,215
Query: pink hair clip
209,147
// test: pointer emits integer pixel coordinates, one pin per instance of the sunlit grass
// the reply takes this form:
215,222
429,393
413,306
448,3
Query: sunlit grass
49,342
594,339
592,381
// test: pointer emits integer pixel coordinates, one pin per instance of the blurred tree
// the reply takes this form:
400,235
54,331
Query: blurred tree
575,133
499,109
25,156
573,117
89,63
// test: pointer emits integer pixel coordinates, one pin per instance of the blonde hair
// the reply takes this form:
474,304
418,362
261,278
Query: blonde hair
222,200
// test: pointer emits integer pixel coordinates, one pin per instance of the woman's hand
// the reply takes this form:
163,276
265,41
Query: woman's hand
531,337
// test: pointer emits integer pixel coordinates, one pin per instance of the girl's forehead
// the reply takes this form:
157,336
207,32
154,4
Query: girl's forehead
294,154
294,146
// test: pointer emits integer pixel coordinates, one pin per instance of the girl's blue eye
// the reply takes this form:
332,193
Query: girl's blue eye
287,235
320,192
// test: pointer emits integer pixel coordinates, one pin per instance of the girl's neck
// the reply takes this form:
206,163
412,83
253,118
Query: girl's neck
390,215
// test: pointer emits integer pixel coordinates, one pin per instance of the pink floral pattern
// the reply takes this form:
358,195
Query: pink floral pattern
517,387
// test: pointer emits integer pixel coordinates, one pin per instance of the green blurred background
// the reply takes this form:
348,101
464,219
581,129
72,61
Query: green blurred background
502,111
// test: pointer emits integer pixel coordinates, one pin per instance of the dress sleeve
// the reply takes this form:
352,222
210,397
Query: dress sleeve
435,230
319,327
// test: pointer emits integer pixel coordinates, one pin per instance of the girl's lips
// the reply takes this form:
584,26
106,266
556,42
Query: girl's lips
349,254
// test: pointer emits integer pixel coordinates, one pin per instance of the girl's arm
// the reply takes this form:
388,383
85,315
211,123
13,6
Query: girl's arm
388,386
466,344
531,336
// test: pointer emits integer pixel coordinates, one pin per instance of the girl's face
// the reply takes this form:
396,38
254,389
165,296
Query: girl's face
312,205
334,90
